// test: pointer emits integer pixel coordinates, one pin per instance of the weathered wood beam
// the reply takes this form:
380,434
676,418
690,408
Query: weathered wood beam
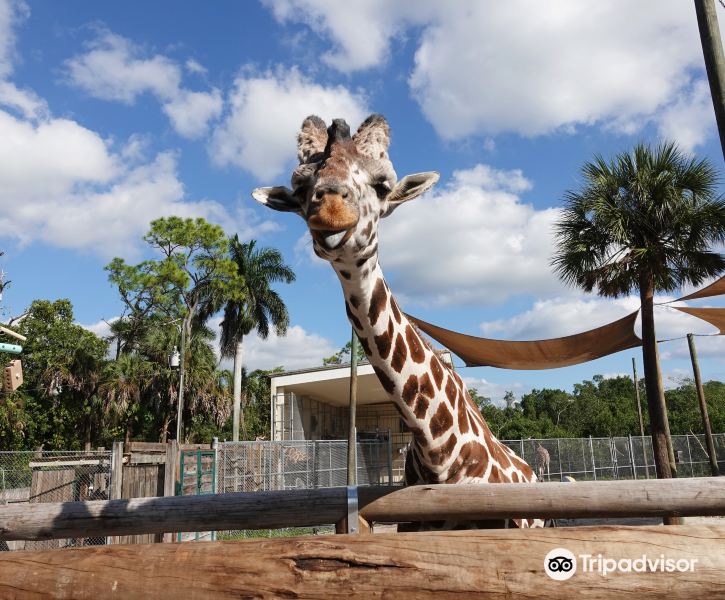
307,508
697,496
481,564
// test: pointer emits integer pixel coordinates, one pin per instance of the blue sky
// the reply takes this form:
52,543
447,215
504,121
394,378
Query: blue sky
113,114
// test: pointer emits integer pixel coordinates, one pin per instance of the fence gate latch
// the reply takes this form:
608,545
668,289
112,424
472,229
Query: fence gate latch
352,518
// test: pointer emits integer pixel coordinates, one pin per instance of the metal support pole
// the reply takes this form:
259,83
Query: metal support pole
714,60
591,453
703,406
182,363
352,429
631,457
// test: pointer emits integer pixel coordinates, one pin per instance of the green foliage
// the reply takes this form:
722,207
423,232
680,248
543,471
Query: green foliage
600,407
651,212
58,404
343,355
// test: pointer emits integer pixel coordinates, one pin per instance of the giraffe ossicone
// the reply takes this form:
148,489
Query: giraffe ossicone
343,186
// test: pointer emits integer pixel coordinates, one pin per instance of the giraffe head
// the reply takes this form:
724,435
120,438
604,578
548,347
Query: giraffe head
343,185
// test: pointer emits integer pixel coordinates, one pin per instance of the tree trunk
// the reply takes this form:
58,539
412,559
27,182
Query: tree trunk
659,426
237,390
163,438
129,430
89,424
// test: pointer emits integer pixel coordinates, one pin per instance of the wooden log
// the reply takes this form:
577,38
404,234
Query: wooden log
308,508
481,564
696,496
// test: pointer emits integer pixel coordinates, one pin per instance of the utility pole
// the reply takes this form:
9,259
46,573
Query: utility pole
714,60
703,406
352,427
180,404
636,396
639,414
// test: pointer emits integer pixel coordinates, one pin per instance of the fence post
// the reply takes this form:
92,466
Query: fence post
172,455
591,453
390,457
116,470
631,457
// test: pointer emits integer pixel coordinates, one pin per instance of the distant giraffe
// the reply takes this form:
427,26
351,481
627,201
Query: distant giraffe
542,460
342,187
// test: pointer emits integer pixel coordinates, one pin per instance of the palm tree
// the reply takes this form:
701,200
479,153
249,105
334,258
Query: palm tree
260,308
645,221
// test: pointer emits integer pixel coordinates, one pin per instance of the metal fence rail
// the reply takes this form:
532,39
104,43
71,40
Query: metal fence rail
54,476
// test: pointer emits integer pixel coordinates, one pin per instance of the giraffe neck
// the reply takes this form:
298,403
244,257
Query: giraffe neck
451,441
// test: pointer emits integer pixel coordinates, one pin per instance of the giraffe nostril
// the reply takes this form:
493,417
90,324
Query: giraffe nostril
319,194
345,194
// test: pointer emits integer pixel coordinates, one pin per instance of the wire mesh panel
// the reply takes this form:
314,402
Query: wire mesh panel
45,476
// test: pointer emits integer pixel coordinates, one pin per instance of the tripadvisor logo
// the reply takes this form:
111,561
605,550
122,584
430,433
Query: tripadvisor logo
560,564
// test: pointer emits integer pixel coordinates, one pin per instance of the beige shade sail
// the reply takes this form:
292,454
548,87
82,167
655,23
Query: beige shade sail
714,289
539,354
714,316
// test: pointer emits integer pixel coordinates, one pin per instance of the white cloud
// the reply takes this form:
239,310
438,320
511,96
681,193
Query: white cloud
25,102
63,184
114,68
11,13
484,66
194,66
497,391
265,113
690,119
472,242
298,349
191,112
558,317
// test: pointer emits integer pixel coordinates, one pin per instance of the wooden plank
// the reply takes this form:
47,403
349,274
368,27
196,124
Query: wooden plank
146,447
308,508
116,471
482,564
139,458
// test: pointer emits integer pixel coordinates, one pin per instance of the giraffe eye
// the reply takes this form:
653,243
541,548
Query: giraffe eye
381,189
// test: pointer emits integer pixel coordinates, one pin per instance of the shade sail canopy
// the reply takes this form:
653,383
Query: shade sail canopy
714,316
539,354
714,289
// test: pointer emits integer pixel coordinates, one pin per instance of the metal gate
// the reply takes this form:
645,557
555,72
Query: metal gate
197,476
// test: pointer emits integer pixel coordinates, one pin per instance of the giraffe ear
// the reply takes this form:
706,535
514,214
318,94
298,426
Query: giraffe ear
408,188
278,198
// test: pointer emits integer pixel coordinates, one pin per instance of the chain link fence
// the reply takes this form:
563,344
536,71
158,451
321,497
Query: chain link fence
614,458
54,476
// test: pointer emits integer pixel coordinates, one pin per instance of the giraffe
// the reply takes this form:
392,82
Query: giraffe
342,187
542,460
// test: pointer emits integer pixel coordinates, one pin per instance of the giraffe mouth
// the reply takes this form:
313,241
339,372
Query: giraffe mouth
332,240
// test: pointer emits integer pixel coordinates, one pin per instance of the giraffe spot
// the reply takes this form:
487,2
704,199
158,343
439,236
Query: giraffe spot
477,461
437,370
463,426
387,383
496,475
515,477
396,310
354,301
451,391
474,426
421,405
457,377
384,341
499,455
368,229
377,301
440,454
426,385
410,390
353,319
345,274
441,421
417,353
400,353
364,344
